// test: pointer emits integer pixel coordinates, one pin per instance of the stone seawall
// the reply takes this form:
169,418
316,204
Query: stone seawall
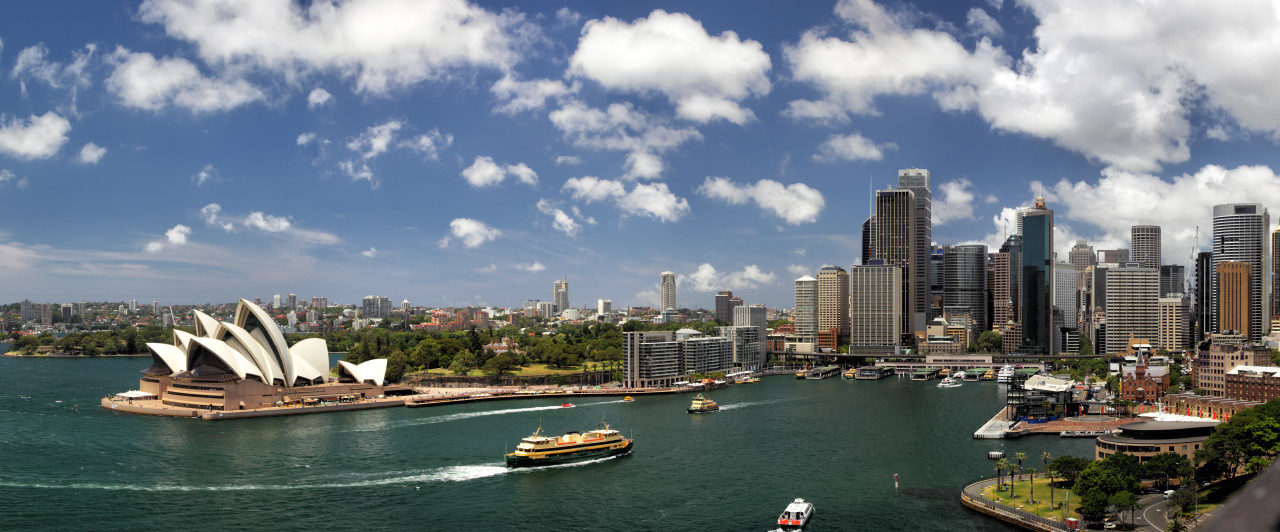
971,496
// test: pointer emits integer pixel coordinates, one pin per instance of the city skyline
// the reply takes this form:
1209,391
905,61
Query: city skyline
144,156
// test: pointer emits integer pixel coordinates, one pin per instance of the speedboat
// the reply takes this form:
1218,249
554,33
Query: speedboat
959,375
567,405
796,516
949,382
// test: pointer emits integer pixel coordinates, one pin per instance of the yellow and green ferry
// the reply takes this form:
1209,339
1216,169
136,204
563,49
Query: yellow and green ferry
541,450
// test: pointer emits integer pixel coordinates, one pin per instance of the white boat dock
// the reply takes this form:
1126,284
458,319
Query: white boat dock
994,428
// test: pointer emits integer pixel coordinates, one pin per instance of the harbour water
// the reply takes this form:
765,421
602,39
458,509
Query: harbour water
836,443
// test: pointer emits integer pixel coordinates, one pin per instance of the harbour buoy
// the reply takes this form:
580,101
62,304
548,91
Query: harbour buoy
895,481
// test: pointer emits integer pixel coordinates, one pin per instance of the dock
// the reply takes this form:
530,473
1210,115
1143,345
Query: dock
873,373
926,374
995,427
823,372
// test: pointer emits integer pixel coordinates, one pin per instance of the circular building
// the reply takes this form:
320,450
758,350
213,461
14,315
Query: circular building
1145,439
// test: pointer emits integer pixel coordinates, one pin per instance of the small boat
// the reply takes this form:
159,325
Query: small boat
959,375
567,405
628,399
796,516
1006,374
851,373
989,375
949,382
702,405
540,450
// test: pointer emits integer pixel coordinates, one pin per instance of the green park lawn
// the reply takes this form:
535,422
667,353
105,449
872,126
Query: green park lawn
1020,497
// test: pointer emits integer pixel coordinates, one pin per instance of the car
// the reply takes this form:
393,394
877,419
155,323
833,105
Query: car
1168,493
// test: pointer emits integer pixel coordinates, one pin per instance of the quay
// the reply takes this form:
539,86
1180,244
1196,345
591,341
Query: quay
873,373
994,428
925,374
823,372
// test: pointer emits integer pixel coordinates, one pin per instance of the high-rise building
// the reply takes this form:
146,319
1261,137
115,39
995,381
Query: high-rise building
67,311
1234,283
660,358
1065,292
375,307
964,283
1241,233
133,306
751,354
292,302
806,311
1275,270
82,311
1082,256
1172,279
404,307
937,257
1001,292
1132,306
155,307
1202,319
917,181
667,289
560,295
1036,280
725,303
869,239
604,307
275,301
1144,243
895,245
27,310
1113,256
1174,332
833,301
875,307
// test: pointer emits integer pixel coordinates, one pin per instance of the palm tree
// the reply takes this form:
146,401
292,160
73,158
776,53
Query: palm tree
1045,456
1000,466
1020,457
1176,525
1032,486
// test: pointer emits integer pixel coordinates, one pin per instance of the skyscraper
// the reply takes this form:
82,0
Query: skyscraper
1082,255
833,301
1144,245
1172,279
895,245
1132,307
1173,322
1001,294
725,303
875,308
604,307
292,302
1241,233
917,181
869,239
560,295
964,282
275,301
806,313
1064,292
1113,256
667,289
1275,270
1234,288
1036,280
1202,319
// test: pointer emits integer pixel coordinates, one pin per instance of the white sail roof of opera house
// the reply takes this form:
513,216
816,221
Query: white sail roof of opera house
250,346
370,370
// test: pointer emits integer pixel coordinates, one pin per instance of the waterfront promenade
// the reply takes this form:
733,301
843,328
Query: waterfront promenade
971,496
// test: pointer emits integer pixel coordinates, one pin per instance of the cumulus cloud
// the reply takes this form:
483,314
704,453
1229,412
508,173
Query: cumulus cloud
176,236
372,252
381,138
306,138
141,81
707,279
489,269
206,173
622,127
484,173
91,153
653,200
430,143
318,98
516,96
375,140
980,23
532,268
37,137
266,223
7,175
851,147
567,17
471,233
954,201
796,203
568,159
380,46
798,270
705,77
33,63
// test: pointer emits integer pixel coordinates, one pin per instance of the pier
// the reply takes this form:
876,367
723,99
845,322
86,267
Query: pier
873,373
926,374
823,372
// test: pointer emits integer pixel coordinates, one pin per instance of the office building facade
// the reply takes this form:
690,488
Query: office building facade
1036,280
964,283
833,301
875,308
1241,233
1144,245
895,245
1132,306
806,311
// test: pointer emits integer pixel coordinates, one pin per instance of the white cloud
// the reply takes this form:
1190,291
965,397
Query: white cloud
567,17
515,96
141,81
37,137
472,233
266,223
489,269
212,216
532,268
649,298
996,4
653,200
707,279
851,147
560,220
796,203
318,98
306,138
32,63
176,236
430,143
568,159
484,173
375,140
358,172
372,252
206,173
799,252
381,46
1217,133
91,153
980,23
622,127
798,270
705,77
954,201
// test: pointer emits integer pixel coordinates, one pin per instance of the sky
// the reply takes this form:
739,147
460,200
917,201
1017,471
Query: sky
471,153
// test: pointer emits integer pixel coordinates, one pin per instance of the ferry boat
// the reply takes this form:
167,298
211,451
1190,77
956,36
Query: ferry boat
1006,374
989,375
628,399
540,450
702,405
851,373
796,516
949,382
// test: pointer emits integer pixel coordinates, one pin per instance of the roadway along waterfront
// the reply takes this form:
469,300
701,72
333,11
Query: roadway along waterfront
836,443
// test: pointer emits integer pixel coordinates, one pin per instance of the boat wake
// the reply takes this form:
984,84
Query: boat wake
736,406
443,474
452,417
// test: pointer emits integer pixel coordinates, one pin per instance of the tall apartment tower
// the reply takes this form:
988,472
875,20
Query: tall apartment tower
1234,284
604,307
1132,306
1173,279
1174,331
806,313
1036,280
668,290
964,281
875,307
917,181
752,355
725,303
1082,255
1144,245
1241,233
292,302
560,295
1202,316
895,245
833,301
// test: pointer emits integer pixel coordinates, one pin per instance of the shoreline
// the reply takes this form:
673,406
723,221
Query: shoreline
11,354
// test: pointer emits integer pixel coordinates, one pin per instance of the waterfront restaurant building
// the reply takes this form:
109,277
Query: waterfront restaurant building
1145,439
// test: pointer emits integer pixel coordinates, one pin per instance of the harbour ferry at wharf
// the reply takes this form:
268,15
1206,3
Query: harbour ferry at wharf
540,450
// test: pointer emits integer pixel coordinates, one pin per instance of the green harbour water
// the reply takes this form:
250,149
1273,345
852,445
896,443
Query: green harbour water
835,443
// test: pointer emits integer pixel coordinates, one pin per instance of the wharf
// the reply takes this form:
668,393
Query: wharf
822,373
154,407
502,396
873,373
994,428
926,374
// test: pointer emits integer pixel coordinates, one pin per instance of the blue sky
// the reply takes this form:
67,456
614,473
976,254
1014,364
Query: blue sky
455,153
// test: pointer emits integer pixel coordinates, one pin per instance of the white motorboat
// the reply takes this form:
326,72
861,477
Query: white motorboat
1006,374
796,516
949,382
959,375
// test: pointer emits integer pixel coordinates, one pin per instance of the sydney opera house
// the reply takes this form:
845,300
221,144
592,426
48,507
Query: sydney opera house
246,364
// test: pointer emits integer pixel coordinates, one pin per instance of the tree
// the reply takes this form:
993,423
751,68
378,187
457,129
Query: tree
462,363
1184,499
1125,500
989,342
1167,466
1000,465
1086,346
498,365
1020,457
1176,525
1045,456
1032,485
1093,504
